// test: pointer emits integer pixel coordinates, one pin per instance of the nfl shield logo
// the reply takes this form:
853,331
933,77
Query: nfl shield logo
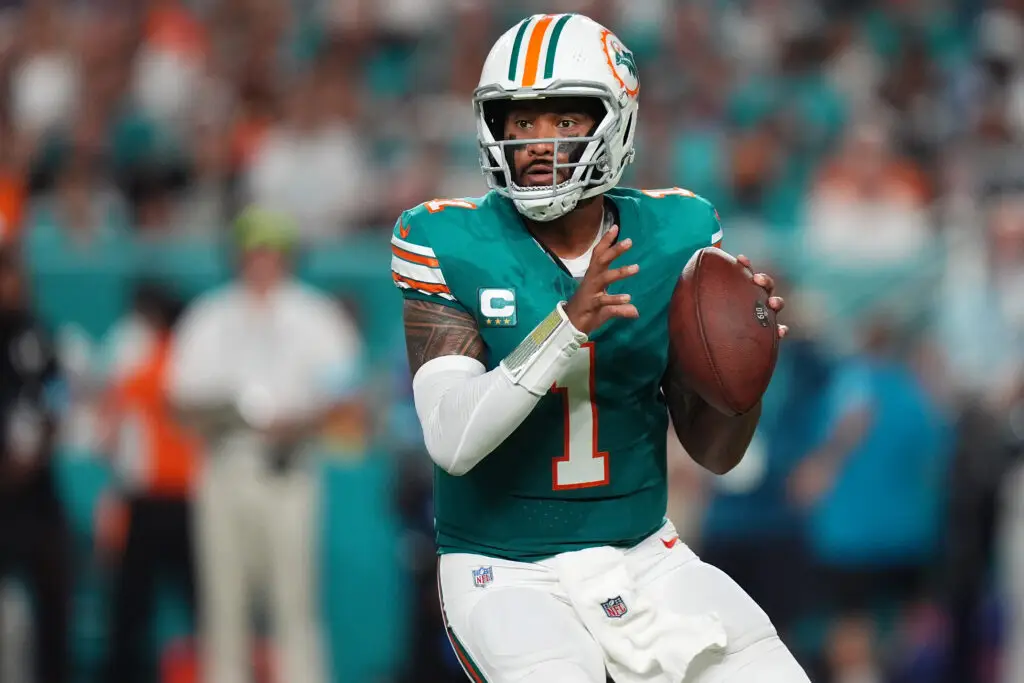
482,576
614,608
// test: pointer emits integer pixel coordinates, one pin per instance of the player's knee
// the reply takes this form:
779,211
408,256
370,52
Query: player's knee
700,588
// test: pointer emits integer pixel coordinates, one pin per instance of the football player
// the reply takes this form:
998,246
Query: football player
536,326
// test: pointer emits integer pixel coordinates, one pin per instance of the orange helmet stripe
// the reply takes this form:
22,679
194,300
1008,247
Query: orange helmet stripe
533,50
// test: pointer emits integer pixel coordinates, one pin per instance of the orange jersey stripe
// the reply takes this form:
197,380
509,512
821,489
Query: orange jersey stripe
424,286
414,258
533,50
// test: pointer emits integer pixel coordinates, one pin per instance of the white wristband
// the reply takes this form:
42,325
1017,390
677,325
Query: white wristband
539,360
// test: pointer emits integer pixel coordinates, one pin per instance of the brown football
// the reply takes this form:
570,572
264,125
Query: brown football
722,334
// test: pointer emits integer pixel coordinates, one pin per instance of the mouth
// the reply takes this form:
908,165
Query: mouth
539,174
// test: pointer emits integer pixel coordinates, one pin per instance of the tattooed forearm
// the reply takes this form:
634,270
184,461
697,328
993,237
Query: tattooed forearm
433,330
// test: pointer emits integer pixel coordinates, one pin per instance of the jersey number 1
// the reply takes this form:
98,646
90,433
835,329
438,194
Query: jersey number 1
581,465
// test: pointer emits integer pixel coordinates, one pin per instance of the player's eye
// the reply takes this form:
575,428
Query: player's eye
522,124
566,123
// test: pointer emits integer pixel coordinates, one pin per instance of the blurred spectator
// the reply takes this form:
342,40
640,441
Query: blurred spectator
914,99
256,112
313,164
869,206
152,199
257,368
981,499
15,157
148,519
203,205
83,213
169,65
873,489
1001,79
46,85
854,66
983,330
34,539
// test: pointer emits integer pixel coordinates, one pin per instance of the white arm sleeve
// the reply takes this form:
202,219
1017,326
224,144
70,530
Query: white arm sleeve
466,412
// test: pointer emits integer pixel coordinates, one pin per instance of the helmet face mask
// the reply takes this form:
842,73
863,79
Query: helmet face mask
595,162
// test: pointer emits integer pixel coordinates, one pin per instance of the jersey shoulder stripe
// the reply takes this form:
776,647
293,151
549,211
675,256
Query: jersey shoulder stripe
418,273
412,248
430,289
415,268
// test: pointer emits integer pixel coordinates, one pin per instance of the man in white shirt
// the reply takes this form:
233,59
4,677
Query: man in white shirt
257,365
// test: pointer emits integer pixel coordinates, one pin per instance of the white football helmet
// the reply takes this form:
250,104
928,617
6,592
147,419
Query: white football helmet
558,55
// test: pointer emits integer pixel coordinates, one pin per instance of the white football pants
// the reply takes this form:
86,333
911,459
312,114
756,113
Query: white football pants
256,533
519,626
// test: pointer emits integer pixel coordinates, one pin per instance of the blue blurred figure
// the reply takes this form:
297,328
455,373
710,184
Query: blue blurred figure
874,494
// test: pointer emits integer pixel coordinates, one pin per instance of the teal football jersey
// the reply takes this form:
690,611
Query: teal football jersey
587,467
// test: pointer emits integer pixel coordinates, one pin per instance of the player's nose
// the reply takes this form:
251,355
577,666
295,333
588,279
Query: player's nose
541,149
543,129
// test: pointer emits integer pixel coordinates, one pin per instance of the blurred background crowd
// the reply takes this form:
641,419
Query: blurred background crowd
870,153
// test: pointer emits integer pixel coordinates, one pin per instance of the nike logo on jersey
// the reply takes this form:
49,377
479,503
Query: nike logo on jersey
403,230
668,543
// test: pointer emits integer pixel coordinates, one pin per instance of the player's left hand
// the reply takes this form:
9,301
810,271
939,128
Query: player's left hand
765,281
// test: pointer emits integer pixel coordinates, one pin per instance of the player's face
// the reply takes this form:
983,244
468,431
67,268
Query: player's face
533,162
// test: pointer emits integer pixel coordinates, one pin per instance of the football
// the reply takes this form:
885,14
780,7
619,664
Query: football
722,335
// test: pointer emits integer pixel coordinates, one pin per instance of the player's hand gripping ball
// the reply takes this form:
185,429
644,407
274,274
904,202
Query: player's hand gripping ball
723,334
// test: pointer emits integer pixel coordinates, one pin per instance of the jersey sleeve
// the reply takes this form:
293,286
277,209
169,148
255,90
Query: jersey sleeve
718,235
713,224
415,268
677,206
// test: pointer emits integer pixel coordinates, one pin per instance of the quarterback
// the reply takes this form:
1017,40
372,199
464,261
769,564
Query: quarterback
536,325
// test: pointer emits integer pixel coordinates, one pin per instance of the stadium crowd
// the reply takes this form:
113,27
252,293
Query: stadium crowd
870,153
